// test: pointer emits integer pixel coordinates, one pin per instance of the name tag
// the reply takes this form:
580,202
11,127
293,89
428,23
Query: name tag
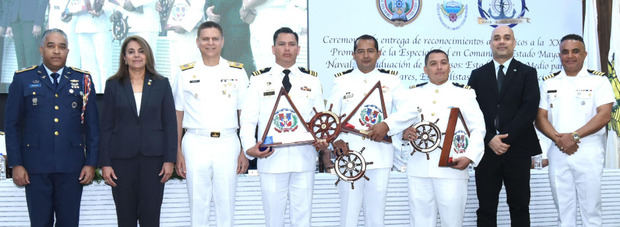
268,93
552,91
194,81
34,85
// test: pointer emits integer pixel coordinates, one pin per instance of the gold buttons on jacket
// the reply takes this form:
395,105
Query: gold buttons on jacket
56,119
56,133
56,95
56,107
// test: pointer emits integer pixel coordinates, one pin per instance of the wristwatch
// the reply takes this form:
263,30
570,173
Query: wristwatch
576,137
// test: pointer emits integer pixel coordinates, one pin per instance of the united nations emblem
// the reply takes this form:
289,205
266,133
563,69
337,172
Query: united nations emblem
399,12
285,120
460,141
452,14
370,115
502,12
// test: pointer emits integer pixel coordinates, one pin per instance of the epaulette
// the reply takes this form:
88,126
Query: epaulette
595,72
26,69
391,72
461,85
417,85
233,64
80,70
551,75
306,71
187,66
342,73
261,71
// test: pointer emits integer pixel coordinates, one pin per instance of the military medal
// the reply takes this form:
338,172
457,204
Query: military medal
149,83
71,91
35,101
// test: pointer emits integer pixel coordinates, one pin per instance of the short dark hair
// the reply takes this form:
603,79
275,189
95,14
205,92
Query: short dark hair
285,30
572,37
365,37
433,51
209,24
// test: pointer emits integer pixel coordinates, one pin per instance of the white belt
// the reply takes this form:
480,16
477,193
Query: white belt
213,133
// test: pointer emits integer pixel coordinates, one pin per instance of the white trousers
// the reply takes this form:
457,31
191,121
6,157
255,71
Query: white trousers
96,55
370,194
211,173
428,195
297,186
576,180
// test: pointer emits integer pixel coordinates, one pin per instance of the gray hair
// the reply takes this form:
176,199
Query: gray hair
50,31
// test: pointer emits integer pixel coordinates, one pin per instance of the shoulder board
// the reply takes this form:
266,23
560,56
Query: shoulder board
342,73
80,70
417,85
26,69
391,72
261,71
461,85
595,72
233,64
187,66
551,75
306,71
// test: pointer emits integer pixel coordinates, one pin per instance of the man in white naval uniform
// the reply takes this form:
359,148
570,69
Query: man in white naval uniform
431,187
185,16
350,87
284,171
208,95
575,105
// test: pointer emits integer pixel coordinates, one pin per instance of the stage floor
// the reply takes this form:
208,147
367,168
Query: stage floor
98,206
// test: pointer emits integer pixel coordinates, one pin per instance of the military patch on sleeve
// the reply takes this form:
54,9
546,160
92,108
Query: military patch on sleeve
26,69
551,75
233,64
461,85
595,72
306,71
391,72
261,71
187,66
342,73
417,85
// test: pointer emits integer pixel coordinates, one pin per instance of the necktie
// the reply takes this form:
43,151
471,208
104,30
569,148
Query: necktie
286,81
55,77
500,78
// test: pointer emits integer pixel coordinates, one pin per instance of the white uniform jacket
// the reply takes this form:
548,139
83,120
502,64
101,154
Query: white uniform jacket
350,87
306,93
434,102
210,96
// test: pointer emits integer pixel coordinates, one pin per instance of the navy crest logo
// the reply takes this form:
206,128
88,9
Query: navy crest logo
370,115
452,14
399,12
285,120
460,141
502,12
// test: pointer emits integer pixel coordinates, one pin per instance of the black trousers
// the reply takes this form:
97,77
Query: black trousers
514,173
138,193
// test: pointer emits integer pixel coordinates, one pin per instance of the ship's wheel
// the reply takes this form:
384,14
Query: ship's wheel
325,125
428,137
351,167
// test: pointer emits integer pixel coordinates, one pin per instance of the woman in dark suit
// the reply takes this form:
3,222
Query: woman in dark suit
138,138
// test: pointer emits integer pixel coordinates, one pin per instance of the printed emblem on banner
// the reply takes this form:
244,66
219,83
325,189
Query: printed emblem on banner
399,12
370,115
285,120
452,14
460,141
178,11
502,12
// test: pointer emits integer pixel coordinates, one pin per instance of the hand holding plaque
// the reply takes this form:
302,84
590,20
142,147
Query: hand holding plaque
369,114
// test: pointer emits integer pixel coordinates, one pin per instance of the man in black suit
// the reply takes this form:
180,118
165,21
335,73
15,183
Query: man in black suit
508,95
